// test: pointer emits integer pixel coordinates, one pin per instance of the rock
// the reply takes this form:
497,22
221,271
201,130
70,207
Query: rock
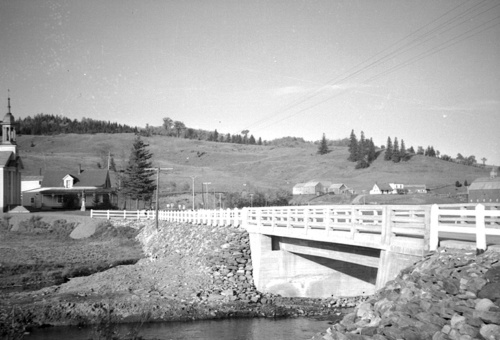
490,332
490,291
484,305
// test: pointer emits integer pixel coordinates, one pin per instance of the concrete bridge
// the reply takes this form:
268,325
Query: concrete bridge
345,250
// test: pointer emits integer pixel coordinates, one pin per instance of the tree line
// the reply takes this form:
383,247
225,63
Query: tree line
46,124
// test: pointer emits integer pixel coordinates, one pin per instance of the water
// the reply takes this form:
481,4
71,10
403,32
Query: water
232,329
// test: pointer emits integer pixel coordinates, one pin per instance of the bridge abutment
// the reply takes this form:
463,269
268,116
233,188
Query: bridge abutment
291,274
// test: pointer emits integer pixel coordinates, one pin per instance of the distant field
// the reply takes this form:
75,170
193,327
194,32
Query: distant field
234,167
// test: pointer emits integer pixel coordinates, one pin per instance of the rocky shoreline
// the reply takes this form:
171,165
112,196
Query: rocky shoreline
190,273
448,295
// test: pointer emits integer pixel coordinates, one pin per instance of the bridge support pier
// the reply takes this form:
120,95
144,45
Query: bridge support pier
291,274
390,264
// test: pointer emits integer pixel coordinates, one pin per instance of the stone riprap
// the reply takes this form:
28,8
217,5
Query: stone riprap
450,294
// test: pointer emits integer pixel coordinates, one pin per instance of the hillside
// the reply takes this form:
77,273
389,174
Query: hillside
236,167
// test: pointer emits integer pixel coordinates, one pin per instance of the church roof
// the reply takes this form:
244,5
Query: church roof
8,119
5,158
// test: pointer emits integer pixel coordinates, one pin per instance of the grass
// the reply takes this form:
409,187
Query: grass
234,167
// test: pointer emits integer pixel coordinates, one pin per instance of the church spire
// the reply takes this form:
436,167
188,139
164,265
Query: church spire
8,99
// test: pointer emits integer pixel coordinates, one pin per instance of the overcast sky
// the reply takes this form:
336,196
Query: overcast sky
425,71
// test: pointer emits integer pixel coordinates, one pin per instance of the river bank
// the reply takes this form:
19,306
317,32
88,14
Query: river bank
450,294
188,273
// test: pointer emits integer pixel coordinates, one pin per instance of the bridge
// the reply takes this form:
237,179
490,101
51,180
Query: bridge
342,250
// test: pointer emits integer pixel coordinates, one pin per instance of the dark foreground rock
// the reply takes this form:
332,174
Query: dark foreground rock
451,294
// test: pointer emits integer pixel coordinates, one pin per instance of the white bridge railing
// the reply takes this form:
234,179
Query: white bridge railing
378,226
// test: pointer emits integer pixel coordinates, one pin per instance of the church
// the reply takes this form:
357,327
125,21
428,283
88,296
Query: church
10,165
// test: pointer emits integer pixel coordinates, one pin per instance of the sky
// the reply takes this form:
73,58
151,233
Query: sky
425,71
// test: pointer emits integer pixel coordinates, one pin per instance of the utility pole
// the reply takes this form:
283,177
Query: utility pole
193,177
158,169
206,190
251,200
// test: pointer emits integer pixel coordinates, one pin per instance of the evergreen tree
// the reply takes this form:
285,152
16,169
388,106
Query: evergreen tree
411,150
362,150
260,141
388,150
216,136
323,146
402,151
353,147
395,151
372,154
251,140
136,180
420,150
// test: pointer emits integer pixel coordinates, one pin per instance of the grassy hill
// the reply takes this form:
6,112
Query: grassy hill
235,167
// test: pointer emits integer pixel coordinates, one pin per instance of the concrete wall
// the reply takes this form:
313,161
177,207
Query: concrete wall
300,275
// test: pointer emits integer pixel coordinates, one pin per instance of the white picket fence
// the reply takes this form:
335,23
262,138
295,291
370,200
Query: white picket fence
384,224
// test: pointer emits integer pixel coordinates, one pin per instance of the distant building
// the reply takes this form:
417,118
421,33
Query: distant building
338,188
67,189
381,189
10,165
416,188
311,188
485,190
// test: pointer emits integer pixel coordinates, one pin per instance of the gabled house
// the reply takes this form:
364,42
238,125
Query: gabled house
80,189
31,182
485,189
298,189
338,188
311,188
381,189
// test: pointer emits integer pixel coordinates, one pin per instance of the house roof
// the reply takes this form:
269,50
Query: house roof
299,185
31,178
88,178
5,158
485,183
311,184
384,187
415,186
337,186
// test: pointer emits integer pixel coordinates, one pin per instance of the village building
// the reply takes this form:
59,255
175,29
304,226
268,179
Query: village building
71,189
338,189
31,182
10,165
415,188
485,189
381,189
311,188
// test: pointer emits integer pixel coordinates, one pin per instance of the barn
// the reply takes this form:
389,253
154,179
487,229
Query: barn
485,190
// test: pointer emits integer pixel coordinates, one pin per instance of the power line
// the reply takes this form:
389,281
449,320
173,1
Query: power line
398,51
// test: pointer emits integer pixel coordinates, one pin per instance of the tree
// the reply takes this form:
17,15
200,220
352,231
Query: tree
353,147
411,150
323,146
251,141
245,138
466,184
420,150
484,161
216,136
458,184
136,180
372,153
168,124
179,126
388,150
395,151
362,148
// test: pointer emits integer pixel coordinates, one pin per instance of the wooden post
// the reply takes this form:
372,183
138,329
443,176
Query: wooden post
480,229
434,228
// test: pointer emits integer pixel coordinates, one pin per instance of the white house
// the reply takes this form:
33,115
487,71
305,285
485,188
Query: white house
70,190
311,188
10,165
31,182
381,189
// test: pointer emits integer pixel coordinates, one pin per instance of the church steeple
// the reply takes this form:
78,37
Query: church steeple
8,126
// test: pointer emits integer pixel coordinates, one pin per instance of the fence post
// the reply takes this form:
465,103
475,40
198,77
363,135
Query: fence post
434,228
386,226
306,218
124,214
480,228
107,215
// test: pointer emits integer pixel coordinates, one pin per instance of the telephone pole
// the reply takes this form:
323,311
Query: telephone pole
158,169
